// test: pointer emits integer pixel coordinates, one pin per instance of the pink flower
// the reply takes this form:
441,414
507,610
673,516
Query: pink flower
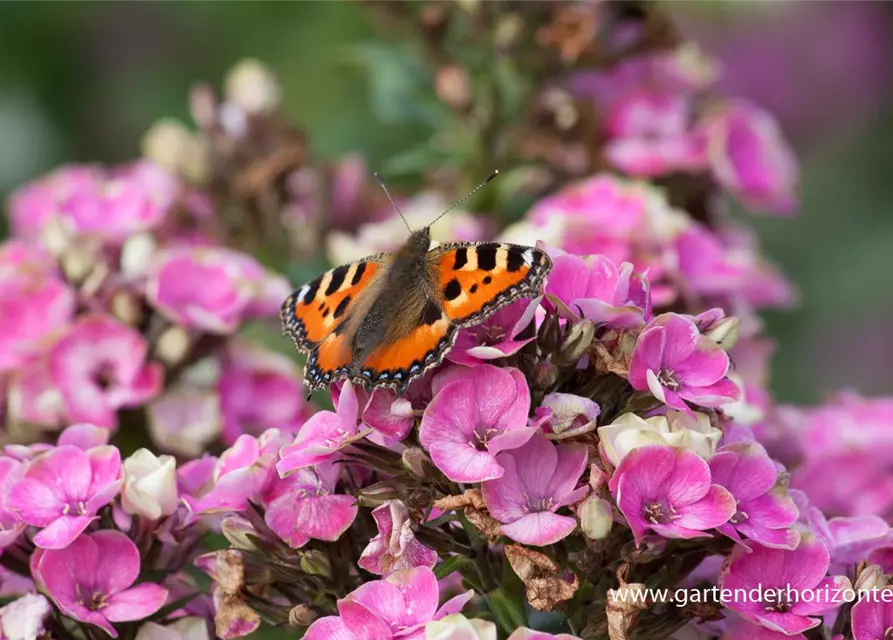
323,434
395,547
849,539
669,491
497,336
212,289
564,415
91,580
390,415
785,571
305,506
871,618
539,479
474,416
750,157
61,491
709,267
243,472
649,135
259,389
100,366
397,607
765,511
36,305
10,524
595,287
676,363
741,629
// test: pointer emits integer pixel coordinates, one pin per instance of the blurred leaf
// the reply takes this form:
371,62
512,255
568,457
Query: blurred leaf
508,610
415,160
450,565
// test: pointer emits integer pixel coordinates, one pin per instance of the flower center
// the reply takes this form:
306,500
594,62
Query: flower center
335,441
537,505
782,606
739,517
93,601
482,437
74,508
667,379
489,334
659,513
104,376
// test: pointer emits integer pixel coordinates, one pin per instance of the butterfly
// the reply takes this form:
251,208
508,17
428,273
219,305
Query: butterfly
385,320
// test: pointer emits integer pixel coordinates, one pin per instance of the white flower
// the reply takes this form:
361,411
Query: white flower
596,517
23,619
150,485
458,627
676,429
189,628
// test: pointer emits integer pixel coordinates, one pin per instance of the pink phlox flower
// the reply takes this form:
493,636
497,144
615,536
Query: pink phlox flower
34,205
398,606
497,336
305,506
479,413
765,511
871,618
10,524
565,415
650,135
539,479
706,264
259,389
599,289
796,579
676,363
91,580
61,490
395,547
849,539
100,366
244,472
669,490
750,157
324,434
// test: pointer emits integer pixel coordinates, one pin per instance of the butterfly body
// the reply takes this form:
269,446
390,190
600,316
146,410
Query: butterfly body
386,319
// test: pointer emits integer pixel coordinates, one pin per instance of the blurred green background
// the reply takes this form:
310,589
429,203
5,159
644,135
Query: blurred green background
81,82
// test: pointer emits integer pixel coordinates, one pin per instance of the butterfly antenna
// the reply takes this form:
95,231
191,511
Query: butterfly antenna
388,194
465,197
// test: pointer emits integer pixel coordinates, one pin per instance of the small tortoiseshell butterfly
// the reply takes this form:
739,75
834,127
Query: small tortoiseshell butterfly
384,320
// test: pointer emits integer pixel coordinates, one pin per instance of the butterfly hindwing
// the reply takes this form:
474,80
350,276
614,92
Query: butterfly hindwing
474,280
312,312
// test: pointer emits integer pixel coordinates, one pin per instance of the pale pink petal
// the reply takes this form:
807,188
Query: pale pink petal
647,356
419,590
714,509
62,531
136,603
454,605
539,529
120,565
84,436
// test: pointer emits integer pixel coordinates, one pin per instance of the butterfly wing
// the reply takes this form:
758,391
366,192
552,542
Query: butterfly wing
474,280
315,315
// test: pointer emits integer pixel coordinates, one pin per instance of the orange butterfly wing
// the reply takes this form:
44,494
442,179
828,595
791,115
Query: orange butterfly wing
475,280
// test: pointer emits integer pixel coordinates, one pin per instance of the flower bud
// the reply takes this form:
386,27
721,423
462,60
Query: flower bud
316,563
150,485
545,375
301,616
870,578
453,86
127,307
178,150
377,494
550,334
596,517
726,332
237,530
253,87
577,341
172,346
418,463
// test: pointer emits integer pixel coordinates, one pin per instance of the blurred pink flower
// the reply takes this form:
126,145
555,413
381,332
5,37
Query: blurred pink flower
397,607
478,413
600,290
496,337
259,389
11,525
395,547
91,580
849,539
669,491
539,479
676,363
61,490
765,512
802,570
100,366
304,506
750,157
323,434
707,266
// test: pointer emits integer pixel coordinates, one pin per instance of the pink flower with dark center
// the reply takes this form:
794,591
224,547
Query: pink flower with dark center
600,290
259,390
61,490
765,512
91,580
668,490
872,619
475,415
497,336
101,366
395,547
750,157
539,479
324,434
304,506
397,607
782,572
676,363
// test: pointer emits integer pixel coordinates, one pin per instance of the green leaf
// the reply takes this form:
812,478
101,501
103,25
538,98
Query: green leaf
507,610
450,565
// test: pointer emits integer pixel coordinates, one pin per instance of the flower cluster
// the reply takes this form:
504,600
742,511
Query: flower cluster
574,454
